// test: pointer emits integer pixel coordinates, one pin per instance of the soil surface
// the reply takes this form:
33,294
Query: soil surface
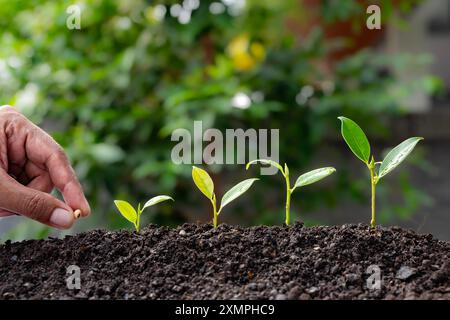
198,262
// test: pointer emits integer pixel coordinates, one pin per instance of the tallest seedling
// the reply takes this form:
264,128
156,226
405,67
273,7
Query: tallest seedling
357,141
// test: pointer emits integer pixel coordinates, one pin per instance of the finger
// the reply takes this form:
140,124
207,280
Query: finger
32,176
32,170
12,148
63,177
39,179
17,142
41,183
41,149
5,213
37,205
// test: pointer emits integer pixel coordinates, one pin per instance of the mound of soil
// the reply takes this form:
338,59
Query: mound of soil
230,262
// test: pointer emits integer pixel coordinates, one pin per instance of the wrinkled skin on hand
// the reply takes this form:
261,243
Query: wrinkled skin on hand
31,165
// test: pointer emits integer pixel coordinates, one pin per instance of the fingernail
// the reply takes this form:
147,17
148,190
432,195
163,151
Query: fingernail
61,218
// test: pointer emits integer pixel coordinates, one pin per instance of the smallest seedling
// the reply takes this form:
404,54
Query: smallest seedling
134,216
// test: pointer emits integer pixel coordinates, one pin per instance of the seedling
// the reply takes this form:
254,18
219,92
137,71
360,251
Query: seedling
357,141
304,180
134,216
205,184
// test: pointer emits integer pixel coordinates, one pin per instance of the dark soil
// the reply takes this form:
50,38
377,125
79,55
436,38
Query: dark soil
198,262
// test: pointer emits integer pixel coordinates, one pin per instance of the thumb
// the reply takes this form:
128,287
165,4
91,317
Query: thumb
34,204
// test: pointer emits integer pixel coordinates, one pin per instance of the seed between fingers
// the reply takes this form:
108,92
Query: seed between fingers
77,213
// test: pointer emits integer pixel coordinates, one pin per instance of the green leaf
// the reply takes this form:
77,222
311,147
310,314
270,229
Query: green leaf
313,176
156,200
203,182
356,139
127,210
236,192
265,161
397,155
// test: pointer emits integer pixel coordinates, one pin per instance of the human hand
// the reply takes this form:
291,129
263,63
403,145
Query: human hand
31,165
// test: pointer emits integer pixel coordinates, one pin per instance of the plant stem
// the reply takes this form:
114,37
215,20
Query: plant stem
213,201
138,218
138,223
288,198
373,182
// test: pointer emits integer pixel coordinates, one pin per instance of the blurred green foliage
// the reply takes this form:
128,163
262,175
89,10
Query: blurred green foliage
112,92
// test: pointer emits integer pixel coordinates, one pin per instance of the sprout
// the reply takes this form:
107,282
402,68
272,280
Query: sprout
205,184
357,141
304,180
134,216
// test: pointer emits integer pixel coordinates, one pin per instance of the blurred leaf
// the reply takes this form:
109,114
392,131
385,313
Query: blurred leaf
106,153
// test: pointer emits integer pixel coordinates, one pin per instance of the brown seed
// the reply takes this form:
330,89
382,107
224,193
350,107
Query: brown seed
77,213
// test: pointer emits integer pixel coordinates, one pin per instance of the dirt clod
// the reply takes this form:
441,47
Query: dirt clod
405,272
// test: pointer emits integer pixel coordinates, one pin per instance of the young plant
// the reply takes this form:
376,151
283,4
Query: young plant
205,184
304,180
357,141
134,216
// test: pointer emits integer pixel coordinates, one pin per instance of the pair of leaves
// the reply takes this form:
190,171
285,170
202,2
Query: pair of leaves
205,184
358,143
131,214
305,179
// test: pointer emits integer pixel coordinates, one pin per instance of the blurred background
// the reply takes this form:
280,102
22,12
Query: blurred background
112,92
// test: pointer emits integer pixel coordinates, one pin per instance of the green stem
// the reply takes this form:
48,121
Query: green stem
138,218
373,182
288,199
138,222
215,216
